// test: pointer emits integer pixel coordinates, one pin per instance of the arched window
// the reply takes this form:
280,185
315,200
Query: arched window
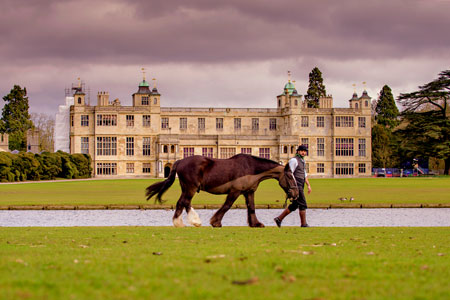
155,101
296,102
292,149
172,149
285,150
367,103
79,100
279,102
165,149
356,105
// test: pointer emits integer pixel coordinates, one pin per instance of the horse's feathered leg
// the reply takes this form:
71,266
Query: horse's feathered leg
251,215
185,203
216,220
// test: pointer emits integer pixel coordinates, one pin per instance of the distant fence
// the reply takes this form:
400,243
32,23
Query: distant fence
395,172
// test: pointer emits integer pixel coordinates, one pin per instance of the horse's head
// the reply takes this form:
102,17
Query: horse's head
288,183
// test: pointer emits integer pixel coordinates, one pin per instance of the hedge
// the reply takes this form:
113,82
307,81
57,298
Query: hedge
44,166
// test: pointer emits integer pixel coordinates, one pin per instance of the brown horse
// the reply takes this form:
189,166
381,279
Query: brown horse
238,175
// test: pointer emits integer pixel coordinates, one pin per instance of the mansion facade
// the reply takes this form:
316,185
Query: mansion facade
145,139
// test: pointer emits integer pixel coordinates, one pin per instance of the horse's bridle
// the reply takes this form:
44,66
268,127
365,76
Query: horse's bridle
291,187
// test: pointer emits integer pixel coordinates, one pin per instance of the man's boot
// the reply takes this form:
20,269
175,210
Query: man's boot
303,218
280,218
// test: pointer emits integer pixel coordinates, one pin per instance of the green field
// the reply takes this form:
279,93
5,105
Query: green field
131,192
226,263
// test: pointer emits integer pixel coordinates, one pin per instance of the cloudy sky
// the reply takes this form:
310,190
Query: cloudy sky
218,53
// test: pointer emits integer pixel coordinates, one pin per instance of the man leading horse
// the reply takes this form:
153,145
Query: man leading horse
298,167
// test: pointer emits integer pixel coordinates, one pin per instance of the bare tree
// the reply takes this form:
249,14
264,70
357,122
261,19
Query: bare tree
45,124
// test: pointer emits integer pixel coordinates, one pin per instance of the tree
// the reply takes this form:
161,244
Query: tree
427,114
383,147
316,88
16,118
45,124
386,110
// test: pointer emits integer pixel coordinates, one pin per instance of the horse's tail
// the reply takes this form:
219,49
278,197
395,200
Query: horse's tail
161,187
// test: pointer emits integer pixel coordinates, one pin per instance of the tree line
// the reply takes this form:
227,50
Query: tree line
45,166
421,130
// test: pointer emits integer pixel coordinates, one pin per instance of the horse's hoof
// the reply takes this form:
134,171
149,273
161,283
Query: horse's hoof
258,225
216,224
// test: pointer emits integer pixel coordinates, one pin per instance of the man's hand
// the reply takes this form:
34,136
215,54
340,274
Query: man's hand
309,189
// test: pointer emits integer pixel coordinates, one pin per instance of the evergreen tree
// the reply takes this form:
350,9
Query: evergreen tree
384,143
316,88
386,110
427,114
16,118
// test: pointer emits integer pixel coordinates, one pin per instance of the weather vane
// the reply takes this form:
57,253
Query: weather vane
289,76
143,72
354,88
154,83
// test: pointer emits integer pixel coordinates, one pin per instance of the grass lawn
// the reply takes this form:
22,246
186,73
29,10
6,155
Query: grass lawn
131,191
226,263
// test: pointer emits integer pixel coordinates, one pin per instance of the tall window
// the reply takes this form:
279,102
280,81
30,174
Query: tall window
320,121
320,146
144,100
85,145
227,152
164,123
361,168
361,147
207,151
320,168
106,145
344,147
106,120
264,153
146,168
201,123
183,123
305,141
188,151
130,168
130,120
344,169
84,120
146,146
71,121
344,121
130,145
305,121
272,124
219,123
255,124
362,122
146,121
246,151
237,123
106,168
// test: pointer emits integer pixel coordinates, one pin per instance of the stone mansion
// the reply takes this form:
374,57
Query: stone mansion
145,139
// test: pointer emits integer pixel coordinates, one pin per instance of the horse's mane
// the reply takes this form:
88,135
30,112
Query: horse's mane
262,164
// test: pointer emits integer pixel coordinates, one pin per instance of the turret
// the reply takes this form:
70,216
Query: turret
290,97
79,95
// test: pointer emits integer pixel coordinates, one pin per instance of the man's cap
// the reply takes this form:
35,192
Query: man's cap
302,147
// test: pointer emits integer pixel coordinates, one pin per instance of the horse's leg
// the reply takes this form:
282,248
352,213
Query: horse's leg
250,201
193,217
177,217
185,203
216,220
